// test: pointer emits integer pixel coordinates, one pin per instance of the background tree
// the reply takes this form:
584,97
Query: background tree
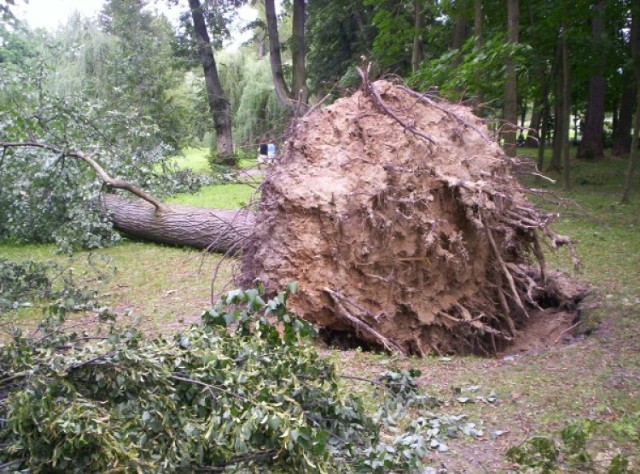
623,81
510,86
633,155
218,103
339,32
298,92
46,195
592,145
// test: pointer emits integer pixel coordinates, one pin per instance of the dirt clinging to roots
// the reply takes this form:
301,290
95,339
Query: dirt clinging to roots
402,222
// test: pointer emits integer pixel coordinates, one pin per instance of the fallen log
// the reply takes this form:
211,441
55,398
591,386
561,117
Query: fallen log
215,230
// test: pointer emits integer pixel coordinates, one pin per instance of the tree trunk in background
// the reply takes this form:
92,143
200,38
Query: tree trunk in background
459,30
478,43
523,112
633,154
622,130
510,85
418,23
477,23
544,131
218,104
216,230
556,157
566,113
282,90
591,146
534,124
299,89
297,96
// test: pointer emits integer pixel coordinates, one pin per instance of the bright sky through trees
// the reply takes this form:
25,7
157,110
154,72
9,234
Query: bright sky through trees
50,14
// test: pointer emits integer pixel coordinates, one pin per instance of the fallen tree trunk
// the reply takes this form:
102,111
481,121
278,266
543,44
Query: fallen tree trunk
215,230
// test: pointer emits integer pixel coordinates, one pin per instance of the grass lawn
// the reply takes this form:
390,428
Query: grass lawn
596,379
225,196
196,159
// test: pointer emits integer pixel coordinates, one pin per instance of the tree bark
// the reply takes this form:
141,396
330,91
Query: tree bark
566,112
544,131
592,146
477,23
510,84
218,104
299,75
633,154
622,131
215,230
459,30
556,157
533,130
282,89
418,25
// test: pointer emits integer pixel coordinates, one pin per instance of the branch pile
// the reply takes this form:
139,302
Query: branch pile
402,222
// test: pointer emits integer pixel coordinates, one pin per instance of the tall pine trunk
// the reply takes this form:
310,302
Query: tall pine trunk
218,104
510,85
592,146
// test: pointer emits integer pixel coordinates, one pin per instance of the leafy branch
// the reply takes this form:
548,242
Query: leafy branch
89,159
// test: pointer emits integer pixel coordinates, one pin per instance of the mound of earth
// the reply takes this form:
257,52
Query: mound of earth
404,226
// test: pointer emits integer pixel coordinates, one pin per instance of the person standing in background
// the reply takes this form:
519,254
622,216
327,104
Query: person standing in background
271,152
263,152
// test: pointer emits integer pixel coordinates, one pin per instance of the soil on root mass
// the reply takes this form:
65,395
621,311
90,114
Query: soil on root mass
405,228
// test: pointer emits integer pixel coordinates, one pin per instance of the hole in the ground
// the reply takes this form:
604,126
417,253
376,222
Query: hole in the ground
345,340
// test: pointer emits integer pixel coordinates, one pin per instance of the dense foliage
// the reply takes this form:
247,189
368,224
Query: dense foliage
49,196
244,388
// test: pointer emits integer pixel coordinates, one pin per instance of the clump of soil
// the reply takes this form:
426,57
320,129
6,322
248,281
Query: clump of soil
402,222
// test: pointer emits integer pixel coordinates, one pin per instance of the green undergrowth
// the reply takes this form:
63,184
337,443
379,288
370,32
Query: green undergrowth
243,390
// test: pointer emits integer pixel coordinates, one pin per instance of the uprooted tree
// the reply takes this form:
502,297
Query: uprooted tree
400,218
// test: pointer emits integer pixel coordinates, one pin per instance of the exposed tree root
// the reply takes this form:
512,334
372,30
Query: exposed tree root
422,241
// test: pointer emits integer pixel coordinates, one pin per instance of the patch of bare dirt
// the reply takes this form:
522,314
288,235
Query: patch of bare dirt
406,229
